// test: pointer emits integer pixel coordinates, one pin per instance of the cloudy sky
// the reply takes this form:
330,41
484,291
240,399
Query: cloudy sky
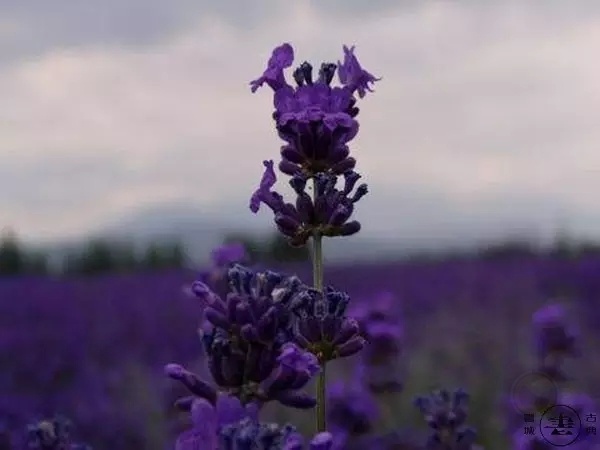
485,122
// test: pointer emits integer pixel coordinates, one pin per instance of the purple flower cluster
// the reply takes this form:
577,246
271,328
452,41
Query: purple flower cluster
446,415
266,339
382,326
327,213
555,339
316,121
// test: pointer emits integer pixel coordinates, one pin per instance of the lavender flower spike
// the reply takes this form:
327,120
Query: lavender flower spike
315,119
328,214
322,326
555,339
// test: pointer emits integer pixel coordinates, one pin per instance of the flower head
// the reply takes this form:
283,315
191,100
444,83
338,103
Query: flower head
222,258
322,326
553,332
227,254
316,120
328,213
248,349
555,339
382,326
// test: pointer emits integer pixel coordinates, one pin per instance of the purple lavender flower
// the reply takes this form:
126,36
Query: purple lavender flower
248,434
227,254
353,75
209,419
555,339
283,382
245,348
315,119
322,326
328,213
222,258
352,411
205,425
321,441
256,306
199,388
281,58
446,415
383,329
296,367
54,434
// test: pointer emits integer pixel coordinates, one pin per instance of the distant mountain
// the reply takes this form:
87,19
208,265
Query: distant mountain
200,233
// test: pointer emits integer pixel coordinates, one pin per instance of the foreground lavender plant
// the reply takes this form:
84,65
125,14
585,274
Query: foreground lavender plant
316,121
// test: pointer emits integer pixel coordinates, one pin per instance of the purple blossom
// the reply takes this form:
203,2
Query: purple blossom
264,194
555,339
249,350
316,120
352,410
298,360
322,326
446,416
353,75
382,326
321,441
209,419
328,213
281,58
227,254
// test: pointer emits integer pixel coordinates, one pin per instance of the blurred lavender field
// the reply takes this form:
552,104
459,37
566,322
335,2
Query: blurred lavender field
94,348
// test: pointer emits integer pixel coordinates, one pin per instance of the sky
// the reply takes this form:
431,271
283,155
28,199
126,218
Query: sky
485,122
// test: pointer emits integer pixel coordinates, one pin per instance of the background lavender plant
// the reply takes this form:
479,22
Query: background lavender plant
124,389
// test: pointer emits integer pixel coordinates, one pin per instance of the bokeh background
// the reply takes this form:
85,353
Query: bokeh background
130,144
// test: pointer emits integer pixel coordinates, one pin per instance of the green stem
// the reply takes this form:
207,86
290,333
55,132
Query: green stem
317,263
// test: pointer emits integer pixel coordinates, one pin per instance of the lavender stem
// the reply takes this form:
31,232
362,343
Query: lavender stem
317,263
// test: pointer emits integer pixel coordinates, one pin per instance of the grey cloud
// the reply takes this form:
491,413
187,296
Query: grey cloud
483,124
36,27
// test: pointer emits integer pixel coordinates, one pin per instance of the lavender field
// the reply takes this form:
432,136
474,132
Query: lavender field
136,137
94,348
